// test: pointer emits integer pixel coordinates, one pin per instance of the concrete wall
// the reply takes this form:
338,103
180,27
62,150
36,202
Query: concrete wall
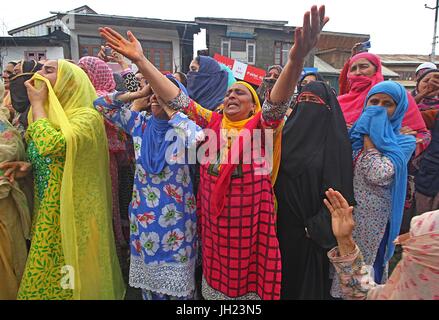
17,53
140,33
265,42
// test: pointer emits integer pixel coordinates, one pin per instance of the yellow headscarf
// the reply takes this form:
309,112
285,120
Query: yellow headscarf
239,125
86,206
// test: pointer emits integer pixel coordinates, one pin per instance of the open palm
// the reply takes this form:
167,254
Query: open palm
341,214
307,36
130,48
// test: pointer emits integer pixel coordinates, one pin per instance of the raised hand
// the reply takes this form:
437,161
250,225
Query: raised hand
307,36
341,215
130,48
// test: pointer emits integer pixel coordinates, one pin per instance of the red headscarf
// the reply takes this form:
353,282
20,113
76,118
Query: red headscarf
352,103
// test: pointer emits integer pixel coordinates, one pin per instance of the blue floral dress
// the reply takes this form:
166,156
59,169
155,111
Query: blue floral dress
163,237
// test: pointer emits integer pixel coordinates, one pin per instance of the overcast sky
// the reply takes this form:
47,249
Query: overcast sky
395,26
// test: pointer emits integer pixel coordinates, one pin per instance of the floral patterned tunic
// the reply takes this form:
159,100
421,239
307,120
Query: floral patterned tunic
373,175
42,275
162,212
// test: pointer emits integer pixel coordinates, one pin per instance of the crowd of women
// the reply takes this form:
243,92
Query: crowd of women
96,170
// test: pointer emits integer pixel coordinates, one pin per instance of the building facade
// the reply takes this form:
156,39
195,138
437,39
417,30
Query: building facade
168,44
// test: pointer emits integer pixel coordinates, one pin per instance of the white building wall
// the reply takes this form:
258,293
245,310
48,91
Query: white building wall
140,33
17,53
41,30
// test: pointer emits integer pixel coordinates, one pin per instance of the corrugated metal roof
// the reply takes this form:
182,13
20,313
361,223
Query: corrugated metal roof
324,67
404,58
389,73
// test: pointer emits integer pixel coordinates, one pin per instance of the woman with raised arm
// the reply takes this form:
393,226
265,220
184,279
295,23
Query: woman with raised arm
241,257
163,239
416,277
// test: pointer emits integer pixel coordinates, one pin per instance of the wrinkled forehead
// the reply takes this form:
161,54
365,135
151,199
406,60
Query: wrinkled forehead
238,86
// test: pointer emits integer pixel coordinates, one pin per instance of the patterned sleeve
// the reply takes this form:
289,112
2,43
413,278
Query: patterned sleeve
273,114
131,83
48,140
379,169
424,138
193,110
118,113
187,130
356,281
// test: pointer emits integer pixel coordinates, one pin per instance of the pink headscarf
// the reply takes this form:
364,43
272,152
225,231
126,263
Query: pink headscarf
100,74
352,103
416,277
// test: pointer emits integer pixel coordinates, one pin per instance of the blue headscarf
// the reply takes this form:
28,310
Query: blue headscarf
231,77
208,86
154,139
385,135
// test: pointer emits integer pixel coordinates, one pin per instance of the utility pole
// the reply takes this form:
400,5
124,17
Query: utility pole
433,50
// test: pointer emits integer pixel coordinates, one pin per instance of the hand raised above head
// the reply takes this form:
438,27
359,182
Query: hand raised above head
341,214
307,36
130,48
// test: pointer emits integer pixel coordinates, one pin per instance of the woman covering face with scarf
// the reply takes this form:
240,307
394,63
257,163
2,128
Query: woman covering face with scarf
270,79
365,71
209,84
72,254
19,98
381,155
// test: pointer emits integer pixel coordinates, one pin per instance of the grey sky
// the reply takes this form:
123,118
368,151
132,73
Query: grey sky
395,26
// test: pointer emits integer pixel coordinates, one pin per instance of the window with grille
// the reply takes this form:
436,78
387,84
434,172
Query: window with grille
35,55
281,50
159,53
239,49
89,46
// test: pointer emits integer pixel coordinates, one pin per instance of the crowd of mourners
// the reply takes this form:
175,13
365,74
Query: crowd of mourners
299,192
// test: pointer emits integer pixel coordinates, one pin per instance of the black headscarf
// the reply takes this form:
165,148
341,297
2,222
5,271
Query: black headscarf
19,98
319,130
315,74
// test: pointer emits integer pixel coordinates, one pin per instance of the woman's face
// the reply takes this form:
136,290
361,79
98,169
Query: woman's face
310,98
7,74
238,103
308,79
424,84
273,74
157,107
141,79
383,100
50,71
362,67
18,68
194,66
